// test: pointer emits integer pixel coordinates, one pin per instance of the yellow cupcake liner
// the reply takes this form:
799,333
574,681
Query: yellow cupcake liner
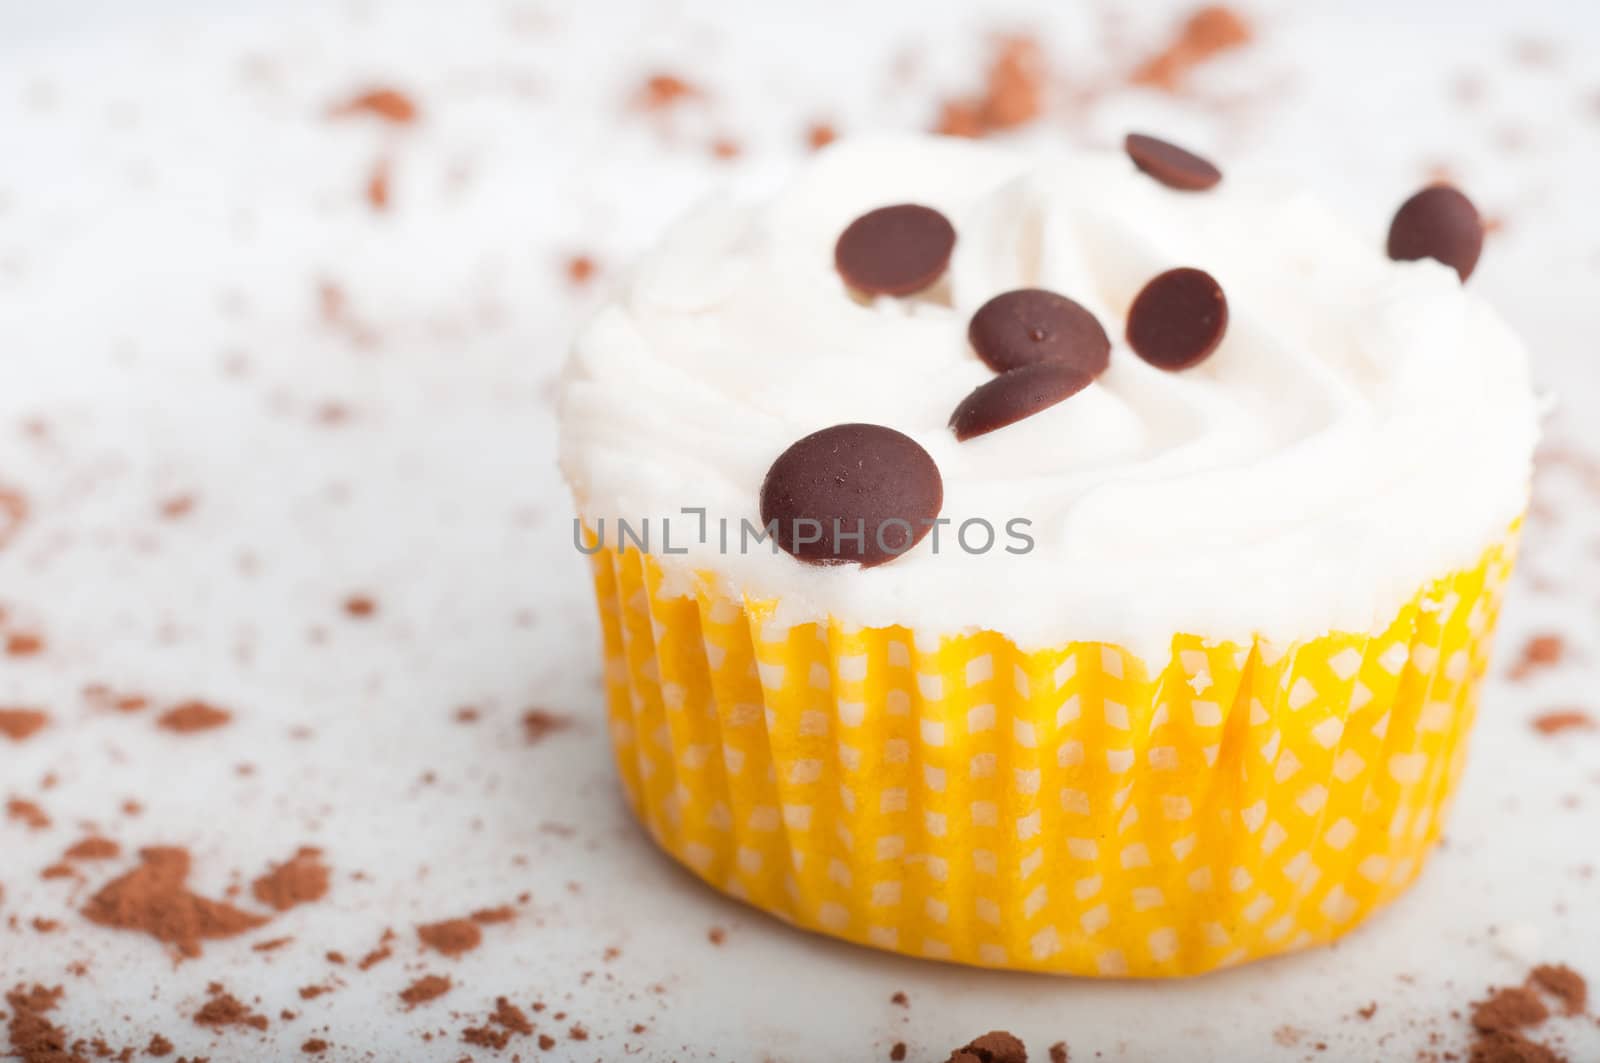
1073,810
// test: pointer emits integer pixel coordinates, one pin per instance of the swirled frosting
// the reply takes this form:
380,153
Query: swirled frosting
1366,425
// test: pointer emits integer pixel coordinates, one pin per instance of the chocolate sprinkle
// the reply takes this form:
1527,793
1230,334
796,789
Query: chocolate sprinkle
1178,319
1170,164
1031,325
1016,394
895,250
1440,223
853,492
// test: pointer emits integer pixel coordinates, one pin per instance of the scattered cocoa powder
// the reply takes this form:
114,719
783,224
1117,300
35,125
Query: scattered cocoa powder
13,513
34,1038
819,135
1538,653
271,945
1014,92
312,992
1508,1009
427,988
716,935
1563,983
27,813
451,937
377,955
377,187
19,725
898,1051
224,1009
1206,33
301,879
193,716
360,606
1366,1013
580,269
662,92
539,724
490,916
1058,1052
996,1046
24,644
726,148
546,1042
1559,721
152,899
388,104
900,1000
158,1046
1508,1046
314,1047
94,848
176,507
578,1033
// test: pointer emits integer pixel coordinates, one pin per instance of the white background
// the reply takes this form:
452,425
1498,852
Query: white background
171,196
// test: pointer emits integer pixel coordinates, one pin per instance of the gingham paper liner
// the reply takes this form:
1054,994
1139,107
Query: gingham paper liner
1068,810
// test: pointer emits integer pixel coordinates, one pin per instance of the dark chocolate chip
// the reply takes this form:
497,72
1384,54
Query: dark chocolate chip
1438,222
1178,319
1033,325
1170,164
997,1046
1016,394
895,250
853,492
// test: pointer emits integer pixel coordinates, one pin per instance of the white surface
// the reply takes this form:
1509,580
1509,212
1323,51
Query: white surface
170,197
1372,411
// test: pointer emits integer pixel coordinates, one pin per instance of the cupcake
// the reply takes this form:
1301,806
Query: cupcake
1080,563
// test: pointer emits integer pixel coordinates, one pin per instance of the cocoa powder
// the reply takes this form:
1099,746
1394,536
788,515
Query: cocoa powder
34,1038
384,103
1207,33
27,813
193,716
1563,983
301,879
153,900
539,724
224,1009
19,725
427,988
94,848
452,937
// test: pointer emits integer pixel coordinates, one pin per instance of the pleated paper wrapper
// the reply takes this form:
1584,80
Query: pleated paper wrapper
1074,810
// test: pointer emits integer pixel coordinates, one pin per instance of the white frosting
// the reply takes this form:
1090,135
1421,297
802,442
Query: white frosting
1365,426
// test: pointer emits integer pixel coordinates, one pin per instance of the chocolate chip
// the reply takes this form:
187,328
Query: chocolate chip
1178,319
1016,394
1170,164
1033,325
997,1046
1438,222
895,250
853,492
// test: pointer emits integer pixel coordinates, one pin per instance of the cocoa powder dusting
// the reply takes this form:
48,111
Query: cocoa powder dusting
1058,1052
1013,95
1563,983
428,987
388,104
539,724
193,716
1538,653
662,92
34,1038
27,813
94,848
1560,721
1207,33
24,644
224,1009
13,512
153,900
158,1046
19,725
452,937
1508,1009
301,879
